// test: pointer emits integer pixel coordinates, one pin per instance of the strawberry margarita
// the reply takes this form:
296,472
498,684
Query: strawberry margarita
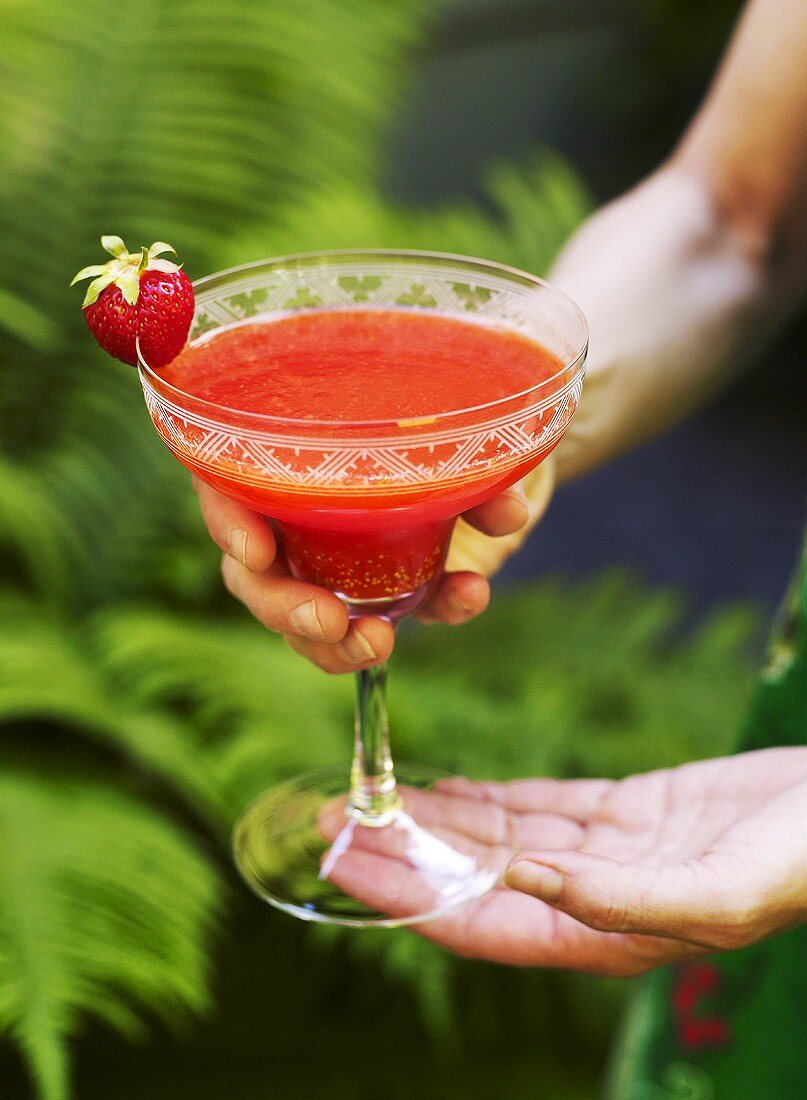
362,400
373,387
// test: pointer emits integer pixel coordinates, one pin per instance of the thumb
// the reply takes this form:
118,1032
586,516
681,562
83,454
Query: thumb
480,544
625,897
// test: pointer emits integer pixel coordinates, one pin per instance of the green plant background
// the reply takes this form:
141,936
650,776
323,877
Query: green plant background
140,709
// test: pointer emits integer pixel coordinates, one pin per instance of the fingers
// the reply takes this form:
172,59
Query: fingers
461,818
458,598
503,926
503,514
287,605
578,799
314,621
488,534
511,928
367,642
678,901
406,845
408,870
384,884
239,532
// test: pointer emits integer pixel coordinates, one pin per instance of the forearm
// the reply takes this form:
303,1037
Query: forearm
684,278
675,307
675,303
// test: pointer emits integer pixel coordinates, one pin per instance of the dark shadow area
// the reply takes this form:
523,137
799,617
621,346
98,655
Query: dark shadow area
287,1026
715,507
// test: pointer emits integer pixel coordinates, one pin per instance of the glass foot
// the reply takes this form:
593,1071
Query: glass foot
300,848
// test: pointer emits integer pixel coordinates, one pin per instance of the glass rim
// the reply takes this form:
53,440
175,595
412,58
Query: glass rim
574,363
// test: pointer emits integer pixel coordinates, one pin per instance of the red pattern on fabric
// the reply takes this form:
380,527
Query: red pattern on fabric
693,982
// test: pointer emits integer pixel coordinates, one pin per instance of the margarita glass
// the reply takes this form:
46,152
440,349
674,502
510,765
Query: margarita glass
366,508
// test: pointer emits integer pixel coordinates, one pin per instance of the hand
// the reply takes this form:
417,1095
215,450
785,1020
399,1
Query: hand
315,623
617,878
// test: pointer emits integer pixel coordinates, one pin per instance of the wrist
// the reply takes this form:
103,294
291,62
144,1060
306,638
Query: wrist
668,295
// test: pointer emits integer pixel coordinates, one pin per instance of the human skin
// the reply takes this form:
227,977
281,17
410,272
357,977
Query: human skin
682,281
612,877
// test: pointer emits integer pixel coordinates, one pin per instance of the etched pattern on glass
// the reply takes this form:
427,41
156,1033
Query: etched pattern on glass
310,461
412,454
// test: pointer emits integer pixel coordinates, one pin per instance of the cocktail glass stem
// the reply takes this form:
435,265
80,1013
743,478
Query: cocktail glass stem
374,797
365,508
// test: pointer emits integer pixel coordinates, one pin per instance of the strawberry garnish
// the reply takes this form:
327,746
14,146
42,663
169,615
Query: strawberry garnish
138,296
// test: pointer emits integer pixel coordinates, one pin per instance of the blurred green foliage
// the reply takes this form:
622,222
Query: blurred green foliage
198,713
139,709
89,930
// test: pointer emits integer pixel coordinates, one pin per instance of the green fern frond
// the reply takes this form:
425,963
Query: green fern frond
187,120
534,209
252,713
187,117
28,324
218,709
604,683
195,703
106,910
54,673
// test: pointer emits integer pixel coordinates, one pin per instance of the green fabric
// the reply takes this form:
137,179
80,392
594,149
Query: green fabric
733,1027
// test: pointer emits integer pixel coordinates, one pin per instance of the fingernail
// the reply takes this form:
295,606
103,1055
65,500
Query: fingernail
533,878
425,618
358,648
237,544
305,620
517,494
458,605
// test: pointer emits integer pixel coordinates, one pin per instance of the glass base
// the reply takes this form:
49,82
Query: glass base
303,850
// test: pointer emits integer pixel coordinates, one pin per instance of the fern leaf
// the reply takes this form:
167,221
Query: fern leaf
186,120
218,709
105,910
535,208
51,672
603,683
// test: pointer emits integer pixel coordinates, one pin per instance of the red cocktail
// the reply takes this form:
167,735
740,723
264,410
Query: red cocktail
362,401
372,525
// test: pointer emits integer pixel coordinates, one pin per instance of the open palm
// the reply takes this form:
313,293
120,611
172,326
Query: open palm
634,873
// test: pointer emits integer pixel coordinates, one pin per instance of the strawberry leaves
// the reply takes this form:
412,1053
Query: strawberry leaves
124,269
